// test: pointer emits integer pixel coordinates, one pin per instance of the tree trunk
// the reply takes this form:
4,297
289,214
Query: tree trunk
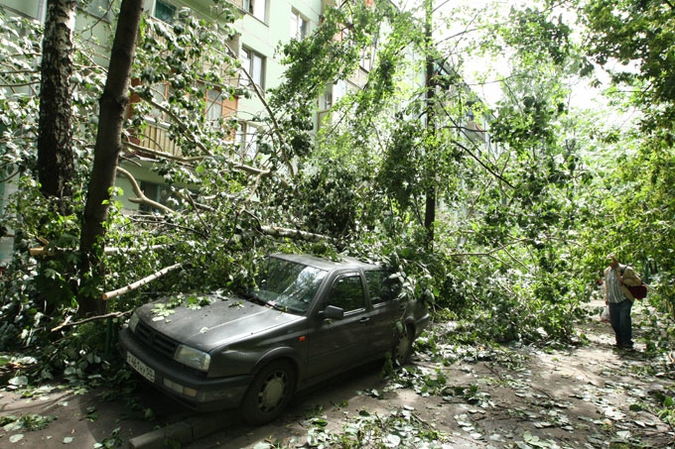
54,142
113,105
431,169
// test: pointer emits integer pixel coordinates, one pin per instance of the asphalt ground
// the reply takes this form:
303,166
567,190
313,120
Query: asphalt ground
91,419
81,419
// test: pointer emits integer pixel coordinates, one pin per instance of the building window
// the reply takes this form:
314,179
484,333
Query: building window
299,26
164,11
366,61
254,64
257,8
247,139
160,95
155,192
100,8
326,100
214,107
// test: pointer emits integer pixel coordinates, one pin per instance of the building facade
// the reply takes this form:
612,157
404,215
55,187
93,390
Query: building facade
261,27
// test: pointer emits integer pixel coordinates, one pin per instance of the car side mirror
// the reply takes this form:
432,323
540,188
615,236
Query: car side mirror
332,313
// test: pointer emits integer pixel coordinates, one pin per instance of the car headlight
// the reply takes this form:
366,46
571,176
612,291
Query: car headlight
133,322
194,358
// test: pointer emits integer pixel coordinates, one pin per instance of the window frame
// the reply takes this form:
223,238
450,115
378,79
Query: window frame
249,58
218,102
256,8
160,93
246,137
167,5
299,25
157,192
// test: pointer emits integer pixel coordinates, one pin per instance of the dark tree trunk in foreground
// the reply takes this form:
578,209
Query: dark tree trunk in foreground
54,142
113,105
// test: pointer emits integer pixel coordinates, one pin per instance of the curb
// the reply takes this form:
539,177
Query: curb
182,432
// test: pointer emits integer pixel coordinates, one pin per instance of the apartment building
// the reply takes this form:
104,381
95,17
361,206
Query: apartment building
262,25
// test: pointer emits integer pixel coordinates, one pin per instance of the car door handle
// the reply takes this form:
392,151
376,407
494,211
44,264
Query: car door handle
364,320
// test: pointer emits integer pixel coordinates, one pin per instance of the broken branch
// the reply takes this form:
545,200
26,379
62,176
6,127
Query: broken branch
140,283
141,196
90,319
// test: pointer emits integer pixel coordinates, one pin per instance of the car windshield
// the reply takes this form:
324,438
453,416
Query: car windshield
289,286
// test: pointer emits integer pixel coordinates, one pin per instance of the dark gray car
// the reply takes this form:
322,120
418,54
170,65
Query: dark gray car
309,319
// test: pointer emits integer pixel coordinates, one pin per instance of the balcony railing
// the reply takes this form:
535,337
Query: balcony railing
156,138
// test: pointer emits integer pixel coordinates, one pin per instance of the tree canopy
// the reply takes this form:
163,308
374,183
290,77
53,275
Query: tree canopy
530,190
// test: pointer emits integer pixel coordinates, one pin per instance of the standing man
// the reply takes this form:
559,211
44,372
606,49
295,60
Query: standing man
620,300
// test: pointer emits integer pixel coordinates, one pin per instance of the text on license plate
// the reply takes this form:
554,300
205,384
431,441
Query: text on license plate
142,369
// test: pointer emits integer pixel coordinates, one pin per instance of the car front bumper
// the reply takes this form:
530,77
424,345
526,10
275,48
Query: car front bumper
199,393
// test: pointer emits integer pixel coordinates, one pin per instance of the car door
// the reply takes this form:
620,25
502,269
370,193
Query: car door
337,344
387,309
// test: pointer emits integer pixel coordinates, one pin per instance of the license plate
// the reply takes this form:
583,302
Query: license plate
140,367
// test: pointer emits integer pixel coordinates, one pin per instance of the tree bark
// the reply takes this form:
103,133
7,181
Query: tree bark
431,169
54,142
140,283
113,104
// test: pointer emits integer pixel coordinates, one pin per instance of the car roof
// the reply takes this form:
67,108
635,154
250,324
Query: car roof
326,264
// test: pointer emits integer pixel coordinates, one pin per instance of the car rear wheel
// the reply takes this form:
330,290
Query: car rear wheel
403,347
269,393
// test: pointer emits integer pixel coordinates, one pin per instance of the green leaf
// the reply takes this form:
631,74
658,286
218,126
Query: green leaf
18,381
393,440
52,274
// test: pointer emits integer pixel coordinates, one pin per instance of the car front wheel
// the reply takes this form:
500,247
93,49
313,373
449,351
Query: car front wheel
269,393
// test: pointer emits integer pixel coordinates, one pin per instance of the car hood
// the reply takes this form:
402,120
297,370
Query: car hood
223,321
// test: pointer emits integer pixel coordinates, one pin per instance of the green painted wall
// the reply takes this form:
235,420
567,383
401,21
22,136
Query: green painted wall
28,8
264,37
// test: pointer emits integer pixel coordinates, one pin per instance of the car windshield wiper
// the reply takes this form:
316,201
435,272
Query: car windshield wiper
251,296
276,306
